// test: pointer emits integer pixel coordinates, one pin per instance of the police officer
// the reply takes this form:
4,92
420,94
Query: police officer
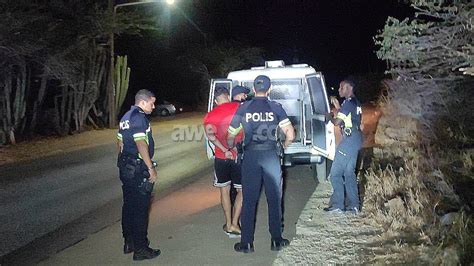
138,174
343,176
239,93
260,118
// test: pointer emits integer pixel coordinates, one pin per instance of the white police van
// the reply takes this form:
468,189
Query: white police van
301,90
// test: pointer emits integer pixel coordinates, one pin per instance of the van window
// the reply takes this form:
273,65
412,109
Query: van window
318,95
285,90
287,93
249,84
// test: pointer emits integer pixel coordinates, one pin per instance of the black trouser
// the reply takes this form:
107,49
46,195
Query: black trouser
261,166
136,202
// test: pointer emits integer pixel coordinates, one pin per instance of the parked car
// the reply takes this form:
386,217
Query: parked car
182,107
164,108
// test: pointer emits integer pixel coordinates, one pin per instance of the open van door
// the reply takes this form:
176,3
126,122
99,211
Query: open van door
322,133
226,83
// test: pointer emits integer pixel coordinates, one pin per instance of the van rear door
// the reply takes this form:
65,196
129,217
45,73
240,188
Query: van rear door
322,134
226,83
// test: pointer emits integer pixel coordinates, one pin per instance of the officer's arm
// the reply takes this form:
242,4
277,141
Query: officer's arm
142,147
230,139
285,125
139,127
119,146
119,142
289,132
335,120
235,126
233,132
343,115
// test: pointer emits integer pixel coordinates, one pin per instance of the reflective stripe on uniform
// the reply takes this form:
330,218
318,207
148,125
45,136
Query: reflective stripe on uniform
285,122
119,136
139,136
234,131
347,119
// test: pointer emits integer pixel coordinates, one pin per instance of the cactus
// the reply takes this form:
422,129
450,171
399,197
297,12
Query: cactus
122,78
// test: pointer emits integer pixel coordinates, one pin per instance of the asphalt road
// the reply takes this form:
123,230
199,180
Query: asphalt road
51,203
187,226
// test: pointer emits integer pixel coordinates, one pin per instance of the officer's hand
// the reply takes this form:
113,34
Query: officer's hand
335,102
328,117
153,175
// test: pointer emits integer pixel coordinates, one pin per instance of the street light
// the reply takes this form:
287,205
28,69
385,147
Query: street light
111,85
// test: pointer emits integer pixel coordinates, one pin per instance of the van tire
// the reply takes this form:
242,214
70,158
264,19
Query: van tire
321,170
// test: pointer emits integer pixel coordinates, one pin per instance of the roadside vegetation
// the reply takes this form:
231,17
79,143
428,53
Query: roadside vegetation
419,188
55,63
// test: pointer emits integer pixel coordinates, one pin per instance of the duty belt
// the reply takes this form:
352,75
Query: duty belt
260,147
130,156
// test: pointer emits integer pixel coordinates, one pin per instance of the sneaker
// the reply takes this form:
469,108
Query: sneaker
332,210
353,210
244,247
146,254
279,244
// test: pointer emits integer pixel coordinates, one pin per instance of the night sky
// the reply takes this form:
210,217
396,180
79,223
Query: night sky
335,36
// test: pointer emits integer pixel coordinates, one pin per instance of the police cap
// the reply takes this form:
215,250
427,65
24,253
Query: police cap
262,83
240,89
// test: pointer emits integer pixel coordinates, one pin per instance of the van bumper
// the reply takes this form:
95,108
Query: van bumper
301,158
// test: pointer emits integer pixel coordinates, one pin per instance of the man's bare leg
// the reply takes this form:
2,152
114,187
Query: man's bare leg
226,206
237,209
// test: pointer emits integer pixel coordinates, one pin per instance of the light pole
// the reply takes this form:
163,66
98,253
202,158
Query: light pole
110,84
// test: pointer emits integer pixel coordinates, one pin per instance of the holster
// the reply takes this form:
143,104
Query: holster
145,186
135,172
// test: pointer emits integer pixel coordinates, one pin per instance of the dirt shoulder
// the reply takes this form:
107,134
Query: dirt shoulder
323,238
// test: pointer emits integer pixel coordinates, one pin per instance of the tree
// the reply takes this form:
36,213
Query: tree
59,43
429,55
218,60
428,119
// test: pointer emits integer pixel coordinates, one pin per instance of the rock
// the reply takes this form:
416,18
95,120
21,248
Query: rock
396,129
448,218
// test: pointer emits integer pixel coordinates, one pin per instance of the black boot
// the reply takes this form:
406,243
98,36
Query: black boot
146,253
244,247
128,246
279,243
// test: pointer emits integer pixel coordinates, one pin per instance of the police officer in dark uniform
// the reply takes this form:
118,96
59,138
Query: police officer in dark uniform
343,176
138,174
260,119
239,94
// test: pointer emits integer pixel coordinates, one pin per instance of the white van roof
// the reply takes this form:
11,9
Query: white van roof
274,70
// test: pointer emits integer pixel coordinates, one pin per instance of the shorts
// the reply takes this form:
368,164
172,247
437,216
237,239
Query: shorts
225,172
